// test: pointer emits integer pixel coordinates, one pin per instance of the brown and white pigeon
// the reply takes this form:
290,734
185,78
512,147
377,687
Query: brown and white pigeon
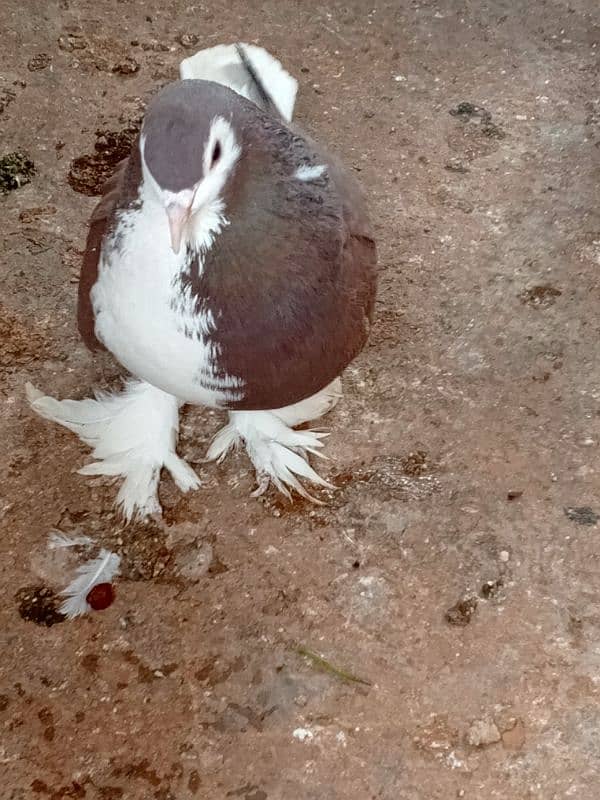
230,264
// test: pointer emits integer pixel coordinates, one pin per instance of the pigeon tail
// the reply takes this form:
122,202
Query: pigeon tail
279,453
133,435
266,101
222,64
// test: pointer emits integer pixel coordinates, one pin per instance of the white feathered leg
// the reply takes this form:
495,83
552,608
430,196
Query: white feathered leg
133,434
279,453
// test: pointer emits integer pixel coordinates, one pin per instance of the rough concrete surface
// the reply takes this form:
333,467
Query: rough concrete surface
456,569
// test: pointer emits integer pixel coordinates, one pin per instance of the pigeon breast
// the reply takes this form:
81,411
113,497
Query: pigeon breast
290,281
288,284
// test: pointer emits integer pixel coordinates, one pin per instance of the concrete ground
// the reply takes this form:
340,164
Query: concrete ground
455,572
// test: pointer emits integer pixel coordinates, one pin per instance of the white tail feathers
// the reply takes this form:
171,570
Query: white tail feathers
133,435
279,453
221,64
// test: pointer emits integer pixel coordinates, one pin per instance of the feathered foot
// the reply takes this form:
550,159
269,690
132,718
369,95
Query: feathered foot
133,435
278,452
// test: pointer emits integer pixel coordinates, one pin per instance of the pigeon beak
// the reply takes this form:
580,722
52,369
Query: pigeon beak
178,216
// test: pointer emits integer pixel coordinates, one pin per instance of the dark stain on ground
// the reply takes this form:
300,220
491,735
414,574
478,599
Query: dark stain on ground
388,329
455,165
110,792
217,567
45,716
147,674
16,169
72,791
164,794
40,605
32,215
88,173
461,613
49,733
470,113
248,792
397,477
140,770
215,670
582,515
6,98
241,715
39,62
415,463
540,296
4,701
90,662
194,782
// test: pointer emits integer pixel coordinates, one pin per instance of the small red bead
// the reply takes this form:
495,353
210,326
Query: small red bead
101,596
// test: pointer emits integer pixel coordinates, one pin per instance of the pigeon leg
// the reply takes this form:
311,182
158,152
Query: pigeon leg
278,452
133,434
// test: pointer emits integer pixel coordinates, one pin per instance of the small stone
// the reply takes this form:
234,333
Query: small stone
514,494
483,732
101,596
303,734
460,614
504,556
39,62
188,40
455,165
128,66
71,42
157,47
491,588
301,700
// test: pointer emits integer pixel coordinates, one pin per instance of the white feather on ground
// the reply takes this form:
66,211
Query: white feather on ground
58,540
99,570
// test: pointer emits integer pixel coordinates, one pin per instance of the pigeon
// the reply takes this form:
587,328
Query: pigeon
230,264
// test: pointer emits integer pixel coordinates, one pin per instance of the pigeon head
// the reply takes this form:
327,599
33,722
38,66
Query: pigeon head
189,146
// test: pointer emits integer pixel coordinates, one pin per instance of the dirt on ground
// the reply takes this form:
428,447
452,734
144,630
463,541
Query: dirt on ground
433,631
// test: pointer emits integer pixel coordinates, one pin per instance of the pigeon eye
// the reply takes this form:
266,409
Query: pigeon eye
216,154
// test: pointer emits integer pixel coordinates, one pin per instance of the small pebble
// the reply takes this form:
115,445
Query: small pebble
483,732
41,61
188,40
504,556
128,66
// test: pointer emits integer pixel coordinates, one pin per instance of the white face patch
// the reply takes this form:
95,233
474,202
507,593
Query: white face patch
308,173
220,155
206,220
